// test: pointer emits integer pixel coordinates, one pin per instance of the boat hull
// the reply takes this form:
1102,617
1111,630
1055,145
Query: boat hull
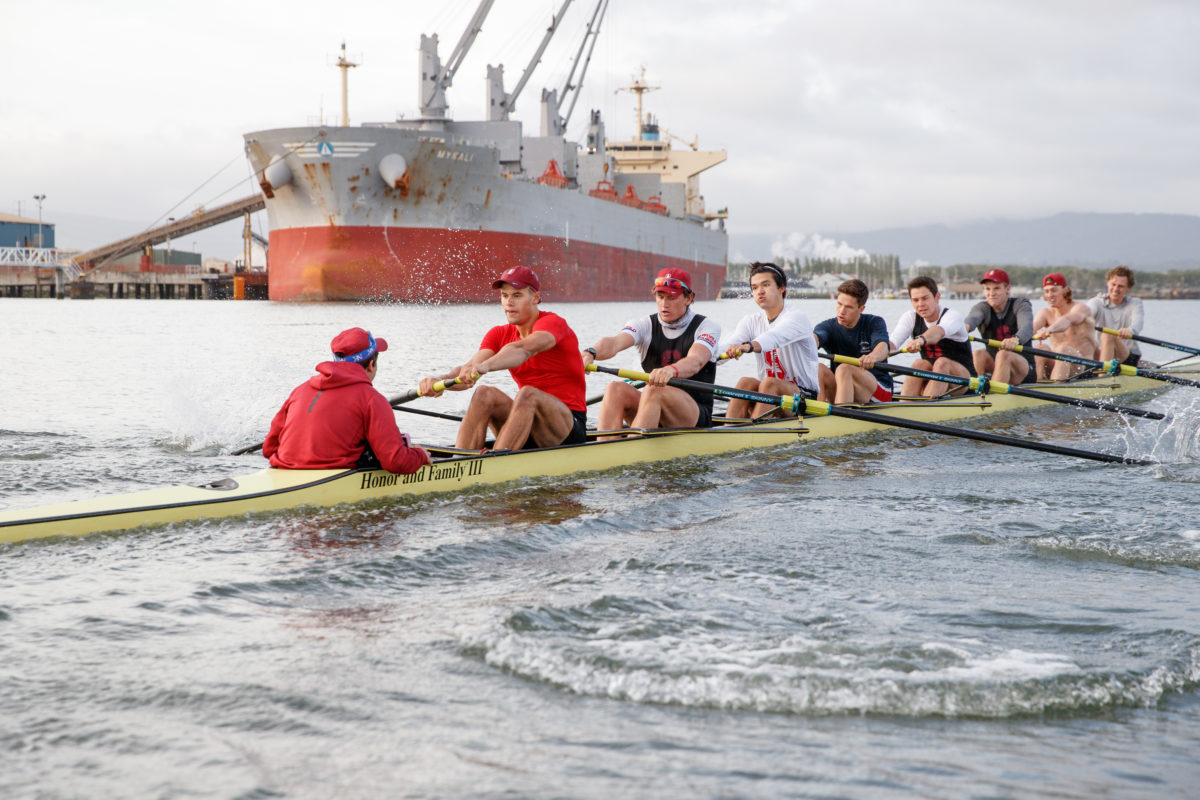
276,489
339,230
429,265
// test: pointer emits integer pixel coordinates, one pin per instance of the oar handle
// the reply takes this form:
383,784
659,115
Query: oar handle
1112,367
1183,348
985,385
795,404
413,394
817,408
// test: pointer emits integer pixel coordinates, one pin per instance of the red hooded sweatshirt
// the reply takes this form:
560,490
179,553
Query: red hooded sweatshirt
327,420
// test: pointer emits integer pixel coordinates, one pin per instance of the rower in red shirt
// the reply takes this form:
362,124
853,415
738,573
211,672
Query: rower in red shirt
337,419
542,353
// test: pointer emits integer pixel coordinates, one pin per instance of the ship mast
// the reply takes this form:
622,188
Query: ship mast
344,64
639,88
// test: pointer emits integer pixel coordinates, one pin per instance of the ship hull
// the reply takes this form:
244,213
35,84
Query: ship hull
429,265
339,231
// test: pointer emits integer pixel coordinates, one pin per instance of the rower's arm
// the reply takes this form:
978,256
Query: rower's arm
1076,314
697,356
608,347
1136,315
514,354
1025,328
934,334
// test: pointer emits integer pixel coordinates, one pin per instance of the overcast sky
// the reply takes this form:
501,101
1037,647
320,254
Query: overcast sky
836,116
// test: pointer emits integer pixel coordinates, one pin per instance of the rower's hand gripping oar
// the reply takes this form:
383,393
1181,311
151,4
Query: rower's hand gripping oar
400,399
1112,367
797,404
1183,348
985,385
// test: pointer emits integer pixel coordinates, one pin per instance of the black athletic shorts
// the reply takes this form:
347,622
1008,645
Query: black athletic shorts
578,434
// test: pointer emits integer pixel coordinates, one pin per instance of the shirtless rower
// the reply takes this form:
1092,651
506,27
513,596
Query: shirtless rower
938,334
852,333
782,339
1008,320
1116,310
542,354
674,343
1068,326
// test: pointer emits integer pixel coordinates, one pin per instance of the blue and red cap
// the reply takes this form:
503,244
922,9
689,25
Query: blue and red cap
356,345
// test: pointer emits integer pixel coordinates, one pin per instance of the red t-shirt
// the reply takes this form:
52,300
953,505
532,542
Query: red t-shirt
558,371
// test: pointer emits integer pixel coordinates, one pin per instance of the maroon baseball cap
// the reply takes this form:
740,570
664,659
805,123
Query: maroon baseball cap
996,276
1054,279
519,278
356,345
673,281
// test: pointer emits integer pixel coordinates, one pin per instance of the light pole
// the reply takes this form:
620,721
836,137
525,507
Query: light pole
170,221
39,198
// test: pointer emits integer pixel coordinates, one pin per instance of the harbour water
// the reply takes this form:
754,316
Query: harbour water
894,616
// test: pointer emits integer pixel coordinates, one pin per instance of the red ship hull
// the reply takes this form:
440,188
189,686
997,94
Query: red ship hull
430,265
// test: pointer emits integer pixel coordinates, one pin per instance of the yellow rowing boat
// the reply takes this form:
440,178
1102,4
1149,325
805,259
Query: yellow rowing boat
278,489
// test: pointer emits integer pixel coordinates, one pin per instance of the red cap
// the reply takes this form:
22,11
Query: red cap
673,281
996,276
519,278
356,345
1054,279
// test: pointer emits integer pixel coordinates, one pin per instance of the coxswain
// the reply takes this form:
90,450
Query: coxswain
1068,327
541,353
336,419
1116,310
676,342
938,335
1008,320
781,338
852,333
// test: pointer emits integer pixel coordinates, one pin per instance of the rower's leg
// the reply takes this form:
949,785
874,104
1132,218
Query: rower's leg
914,386
855,384
984,364
740,409
538,414
827,382
774,386
489,408
666,407
947,366
1010,368
620,404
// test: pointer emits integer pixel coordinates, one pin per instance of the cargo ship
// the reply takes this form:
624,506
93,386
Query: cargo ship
431,209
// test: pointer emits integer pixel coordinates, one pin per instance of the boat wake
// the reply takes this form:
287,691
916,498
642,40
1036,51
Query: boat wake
590,651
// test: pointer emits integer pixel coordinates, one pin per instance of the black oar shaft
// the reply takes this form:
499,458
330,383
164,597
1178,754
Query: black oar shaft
1183,348
1112,367
984,385
799,405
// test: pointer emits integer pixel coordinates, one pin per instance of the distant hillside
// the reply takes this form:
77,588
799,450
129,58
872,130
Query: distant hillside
1143,241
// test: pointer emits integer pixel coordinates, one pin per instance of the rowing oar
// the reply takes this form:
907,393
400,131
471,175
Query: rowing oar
797,404
400,399
1183,348
985,385
1112,367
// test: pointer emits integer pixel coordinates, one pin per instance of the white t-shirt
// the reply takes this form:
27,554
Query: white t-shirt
951,322
789,351
708,334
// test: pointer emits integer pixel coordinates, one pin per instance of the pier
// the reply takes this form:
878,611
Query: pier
48,272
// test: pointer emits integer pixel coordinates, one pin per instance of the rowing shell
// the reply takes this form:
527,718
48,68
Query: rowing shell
277,489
